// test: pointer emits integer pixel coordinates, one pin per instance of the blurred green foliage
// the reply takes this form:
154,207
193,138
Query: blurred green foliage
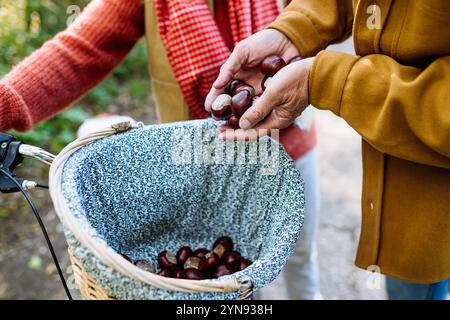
24,26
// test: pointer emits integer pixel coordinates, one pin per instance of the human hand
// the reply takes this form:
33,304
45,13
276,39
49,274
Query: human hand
285,98
244,61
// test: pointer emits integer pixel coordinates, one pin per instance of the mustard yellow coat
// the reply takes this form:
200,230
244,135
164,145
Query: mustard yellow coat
396,94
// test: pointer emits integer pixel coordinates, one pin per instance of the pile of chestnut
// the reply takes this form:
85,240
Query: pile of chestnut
199,264
240,96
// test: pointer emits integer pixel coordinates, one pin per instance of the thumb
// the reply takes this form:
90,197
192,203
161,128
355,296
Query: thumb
256,113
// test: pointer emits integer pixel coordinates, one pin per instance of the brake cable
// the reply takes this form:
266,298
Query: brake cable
10,157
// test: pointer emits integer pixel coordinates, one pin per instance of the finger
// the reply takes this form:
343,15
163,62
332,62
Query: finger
256,113
242,135
227,71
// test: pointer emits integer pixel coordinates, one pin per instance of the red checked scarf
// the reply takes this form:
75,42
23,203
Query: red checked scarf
195,46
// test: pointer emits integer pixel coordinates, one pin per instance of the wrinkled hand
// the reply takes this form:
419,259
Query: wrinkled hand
284,99
286,95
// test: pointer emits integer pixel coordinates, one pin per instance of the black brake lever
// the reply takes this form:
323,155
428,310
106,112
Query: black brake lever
10,158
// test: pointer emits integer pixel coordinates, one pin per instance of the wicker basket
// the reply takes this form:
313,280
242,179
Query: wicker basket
100,271
89,289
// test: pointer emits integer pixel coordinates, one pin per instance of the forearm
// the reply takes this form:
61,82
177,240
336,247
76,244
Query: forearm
400,110
70,64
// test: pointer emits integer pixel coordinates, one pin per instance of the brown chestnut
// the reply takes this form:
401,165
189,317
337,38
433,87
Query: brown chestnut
295,59
231,258
265,83
166,259
233,84
166,272
125,257
271,65
209,261
221,107
178,273
144,265
201,252
242,87
244,263
233,122
192,263
226,241
183,254
222,270
193,274
241,102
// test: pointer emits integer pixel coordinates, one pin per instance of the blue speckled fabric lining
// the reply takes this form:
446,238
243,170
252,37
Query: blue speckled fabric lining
139,193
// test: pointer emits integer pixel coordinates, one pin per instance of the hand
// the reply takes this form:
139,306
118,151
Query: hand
284,99
244,61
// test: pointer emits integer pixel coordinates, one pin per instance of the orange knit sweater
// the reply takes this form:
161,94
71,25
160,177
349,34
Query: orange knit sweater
70,64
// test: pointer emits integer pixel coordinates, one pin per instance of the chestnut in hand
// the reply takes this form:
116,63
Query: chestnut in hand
222,270
244,263
166,272
192,263
233,122
193,274
221,107
242,87
231,258
233,84
209,261
271,65
144,265
183,254
240,103
166,259
201,252
295,59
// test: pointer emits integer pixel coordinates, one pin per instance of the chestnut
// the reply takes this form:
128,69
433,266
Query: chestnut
265,83
240,103
166,272
144,265
231,258
226,241
233,122
295,59
201,252
242,87
193,274
233,84
244,263
178,273
166,259
192,263
209,261
221,107
125,257
222,270
271,65
183,254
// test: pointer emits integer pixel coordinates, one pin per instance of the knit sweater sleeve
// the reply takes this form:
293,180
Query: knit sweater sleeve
71,63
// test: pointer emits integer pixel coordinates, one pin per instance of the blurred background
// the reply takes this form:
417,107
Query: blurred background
26,269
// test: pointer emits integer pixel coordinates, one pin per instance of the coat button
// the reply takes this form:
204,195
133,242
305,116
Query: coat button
372,205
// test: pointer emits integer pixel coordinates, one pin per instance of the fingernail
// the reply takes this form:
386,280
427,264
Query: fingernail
222,136
245,124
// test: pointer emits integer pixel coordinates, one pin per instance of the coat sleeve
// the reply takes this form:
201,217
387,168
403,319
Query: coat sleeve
400,110
71,63
314,24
